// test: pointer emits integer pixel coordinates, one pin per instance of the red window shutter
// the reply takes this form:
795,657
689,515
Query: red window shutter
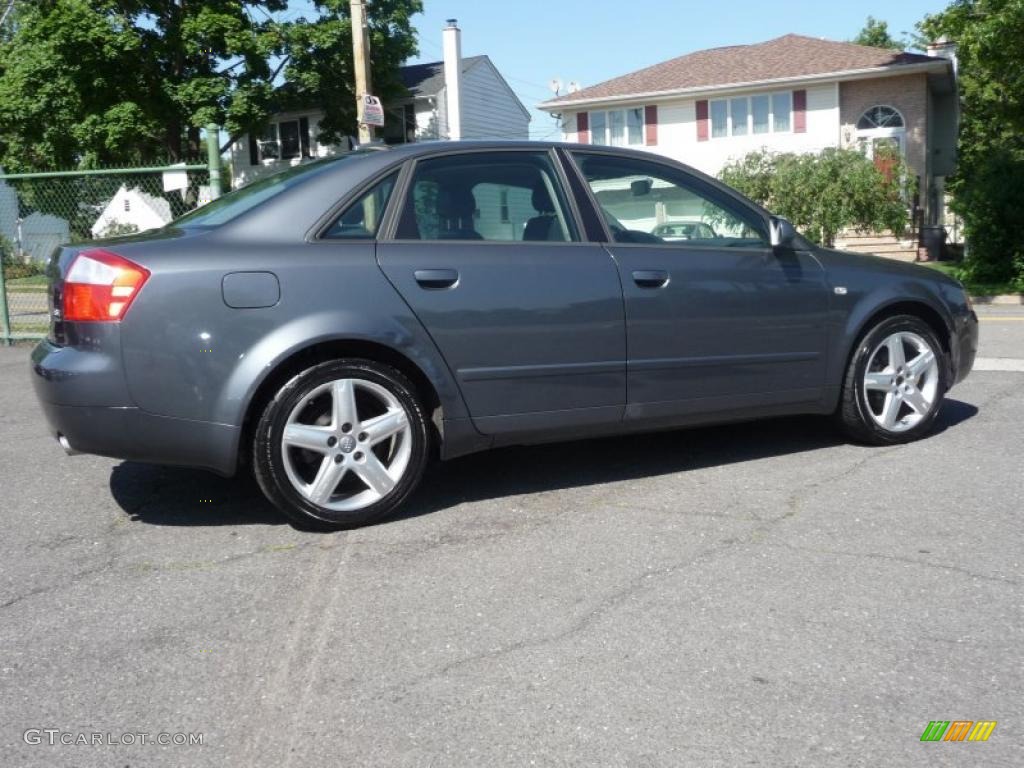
583,127
651,125
702,120
799,111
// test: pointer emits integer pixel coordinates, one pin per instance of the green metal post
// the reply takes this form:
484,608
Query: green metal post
5,319
213,159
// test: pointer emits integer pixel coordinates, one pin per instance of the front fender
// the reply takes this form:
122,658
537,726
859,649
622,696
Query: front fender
860,295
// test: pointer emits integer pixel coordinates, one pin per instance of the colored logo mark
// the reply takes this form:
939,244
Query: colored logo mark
958,730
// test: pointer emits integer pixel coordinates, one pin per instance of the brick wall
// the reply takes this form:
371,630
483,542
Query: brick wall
907,93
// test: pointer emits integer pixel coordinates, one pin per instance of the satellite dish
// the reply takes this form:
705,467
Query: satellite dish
555,85
573,86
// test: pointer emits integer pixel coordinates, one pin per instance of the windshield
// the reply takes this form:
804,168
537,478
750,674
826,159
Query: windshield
234,204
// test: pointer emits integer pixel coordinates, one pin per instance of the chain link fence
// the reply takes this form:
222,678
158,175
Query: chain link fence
40,211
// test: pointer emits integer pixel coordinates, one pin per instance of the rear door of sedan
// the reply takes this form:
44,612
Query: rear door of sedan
486,249
717,321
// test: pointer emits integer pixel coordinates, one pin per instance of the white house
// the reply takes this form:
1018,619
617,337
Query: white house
131,210
790,94
488,107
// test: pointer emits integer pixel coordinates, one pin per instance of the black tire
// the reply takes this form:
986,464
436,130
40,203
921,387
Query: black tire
853,415
268,463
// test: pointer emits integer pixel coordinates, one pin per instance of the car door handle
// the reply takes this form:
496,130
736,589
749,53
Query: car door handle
650,278
433,279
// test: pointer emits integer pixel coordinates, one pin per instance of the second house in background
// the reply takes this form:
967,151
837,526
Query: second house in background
790,94
489,110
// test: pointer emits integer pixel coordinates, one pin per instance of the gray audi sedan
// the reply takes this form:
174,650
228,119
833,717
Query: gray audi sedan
334,327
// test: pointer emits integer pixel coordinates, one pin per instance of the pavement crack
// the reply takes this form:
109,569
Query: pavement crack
74,579
903,559
604,606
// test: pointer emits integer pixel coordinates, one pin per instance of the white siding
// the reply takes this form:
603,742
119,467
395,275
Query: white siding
677,131
489,109
243,172
427,120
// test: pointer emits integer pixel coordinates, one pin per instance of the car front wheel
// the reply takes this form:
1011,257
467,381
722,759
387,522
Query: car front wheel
894,385
342,444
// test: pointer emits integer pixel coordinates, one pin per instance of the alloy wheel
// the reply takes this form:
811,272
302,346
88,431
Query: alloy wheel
901,381
347,444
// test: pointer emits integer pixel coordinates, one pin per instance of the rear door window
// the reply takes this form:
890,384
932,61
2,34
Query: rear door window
487,196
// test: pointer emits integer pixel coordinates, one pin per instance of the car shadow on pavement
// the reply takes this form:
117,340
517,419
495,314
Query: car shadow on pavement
179,496
183,496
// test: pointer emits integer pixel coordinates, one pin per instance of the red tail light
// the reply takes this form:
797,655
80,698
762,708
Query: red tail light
100,286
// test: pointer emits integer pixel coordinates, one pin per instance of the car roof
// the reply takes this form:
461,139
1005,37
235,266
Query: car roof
440,147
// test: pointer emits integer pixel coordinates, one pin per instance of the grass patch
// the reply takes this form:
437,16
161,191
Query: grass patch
952,269
33,281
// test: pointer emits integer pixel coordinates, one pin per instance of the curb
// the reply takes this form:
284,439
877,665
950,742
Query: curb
1002,299
999,364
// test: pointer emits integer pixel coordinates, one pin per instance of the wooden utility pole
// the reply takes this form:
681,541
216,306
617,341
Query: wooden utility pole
361,60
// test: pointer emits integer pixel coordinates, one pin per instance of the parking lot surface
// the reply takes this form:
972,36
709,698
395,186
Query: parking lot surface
755,594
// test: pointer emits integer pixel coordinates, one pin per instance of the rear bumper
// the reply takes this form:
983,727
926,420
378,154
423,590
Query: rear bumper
110,425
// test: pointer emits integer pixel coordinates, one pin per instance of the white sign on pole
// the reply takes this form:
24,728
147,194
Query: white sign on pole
372,112
175,179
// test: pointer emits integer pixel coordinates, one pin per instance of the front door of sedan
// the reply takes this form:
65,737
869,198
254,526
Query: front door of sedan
530,319
716,319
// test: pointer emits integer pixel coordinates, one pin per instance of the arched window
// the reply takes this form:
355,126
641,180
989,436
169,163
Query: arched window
880,116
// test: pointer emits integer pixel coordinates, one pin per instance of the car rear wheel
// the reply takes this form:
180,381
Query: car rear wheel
342,444
894,385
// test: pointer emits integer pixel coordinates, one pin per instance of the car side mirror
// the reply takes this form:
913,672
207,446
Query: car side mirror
783,233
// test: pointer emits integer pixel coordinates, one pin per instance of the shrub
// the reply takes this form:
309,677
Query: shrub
822,194
989,194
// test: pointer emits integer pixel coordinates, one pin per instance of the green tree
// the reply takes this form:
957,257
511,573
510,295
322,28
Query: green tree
988,187
823,194
115,81
876,34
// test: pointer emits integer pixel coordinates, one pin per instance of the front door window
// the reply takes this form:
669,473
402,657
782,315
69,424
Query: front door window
645,202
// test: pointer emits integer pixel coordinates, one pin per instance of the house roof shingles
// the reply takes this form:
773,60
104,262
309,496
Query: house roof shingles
789,56
427,79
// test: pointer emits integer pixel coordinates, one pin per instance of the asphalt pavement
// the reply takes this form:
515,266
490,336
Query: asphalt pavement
759,594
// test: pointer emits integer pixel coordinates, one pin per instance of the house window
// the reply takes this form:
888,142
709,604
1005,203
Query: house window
782,108
719,119
288,135
281,141
880,117
738,113
617,127
127,205
760,112
743,115
269,147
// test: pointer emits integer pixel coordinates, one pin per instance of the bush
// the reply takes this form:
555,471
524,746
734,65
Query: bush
822,194
13,267
989,194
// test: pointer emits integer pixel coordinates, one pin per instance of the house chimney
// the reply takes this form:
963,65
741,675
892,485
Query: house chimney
943,48
453,78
